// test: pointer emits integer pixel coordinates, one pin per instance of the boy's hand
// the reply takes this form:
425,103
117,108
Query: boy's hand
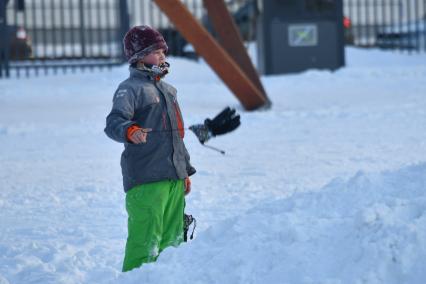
187,185
139,135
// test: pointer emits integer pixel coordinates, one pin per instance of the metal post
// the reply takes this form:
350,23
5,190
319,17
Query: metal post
82,29
417,21
340,33
4,39
20,5
109,35
124,23
424,25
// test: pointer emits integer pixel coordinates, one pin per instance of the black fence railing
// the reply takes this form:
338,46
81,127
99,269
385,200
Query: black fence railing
50,35
42,36
387,24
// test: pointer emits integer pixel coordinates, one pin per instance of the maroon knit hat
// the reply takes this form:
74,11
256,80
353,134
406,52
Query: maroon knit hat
139,41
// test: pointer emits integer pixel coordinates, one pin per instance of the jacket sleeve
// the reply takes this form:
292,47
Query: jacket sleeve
121,115
189,168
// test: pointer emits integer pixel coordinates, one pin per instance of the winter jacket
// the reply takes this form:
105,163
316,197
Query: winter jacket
149,103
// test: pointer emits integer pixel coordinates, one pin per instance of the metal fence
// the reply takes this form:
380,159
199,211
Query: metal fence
42,36
388,24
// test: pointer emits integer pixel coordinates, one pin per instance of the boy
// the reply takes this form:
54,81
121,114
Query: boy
155,164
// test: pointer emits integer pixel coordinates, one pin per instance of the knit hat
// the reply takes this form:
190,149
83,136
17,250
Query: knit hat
140,41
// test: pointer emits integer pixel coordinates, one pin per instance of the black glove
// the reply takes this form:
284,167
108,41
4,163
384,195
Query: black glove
226,121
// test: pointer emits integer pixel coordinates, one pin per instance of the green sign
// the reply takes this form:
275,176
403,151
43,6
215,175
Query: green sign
303,35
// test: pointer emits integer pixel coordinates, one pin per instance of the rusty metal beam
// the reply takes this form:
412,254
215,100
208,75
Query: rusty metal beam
230,39
218,59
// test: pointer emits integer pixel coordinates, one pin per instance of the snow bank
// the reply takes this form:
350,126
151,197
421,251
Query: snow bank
368,229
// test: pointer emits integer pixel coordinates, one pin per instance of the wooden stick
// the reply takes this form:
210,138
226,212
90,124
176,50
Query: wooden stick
231,39
218,59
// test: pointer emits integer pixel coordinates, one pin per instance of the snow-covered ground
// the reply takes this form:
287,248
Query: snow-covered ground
329,186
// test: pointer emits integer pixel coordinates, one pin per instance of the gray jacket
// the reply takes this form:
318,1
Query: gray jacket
149,103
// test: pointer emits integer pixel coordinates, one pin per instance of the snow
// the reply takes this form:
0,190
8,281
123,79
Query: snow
326,187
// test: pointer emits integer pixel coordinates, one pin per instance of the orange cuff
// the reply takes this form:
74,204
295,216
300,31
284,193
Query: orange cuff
187,181
132,129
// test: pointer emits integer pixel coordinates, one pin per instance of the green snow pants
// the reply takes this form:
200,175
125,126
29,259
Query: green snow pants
155,220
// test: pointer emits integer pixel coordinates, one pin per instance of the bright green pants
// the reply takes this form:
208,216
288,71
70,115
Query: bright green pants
155,221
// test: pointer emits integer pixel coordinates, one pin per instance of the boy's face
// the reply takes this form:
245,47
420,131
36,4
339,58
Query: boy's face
157,57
